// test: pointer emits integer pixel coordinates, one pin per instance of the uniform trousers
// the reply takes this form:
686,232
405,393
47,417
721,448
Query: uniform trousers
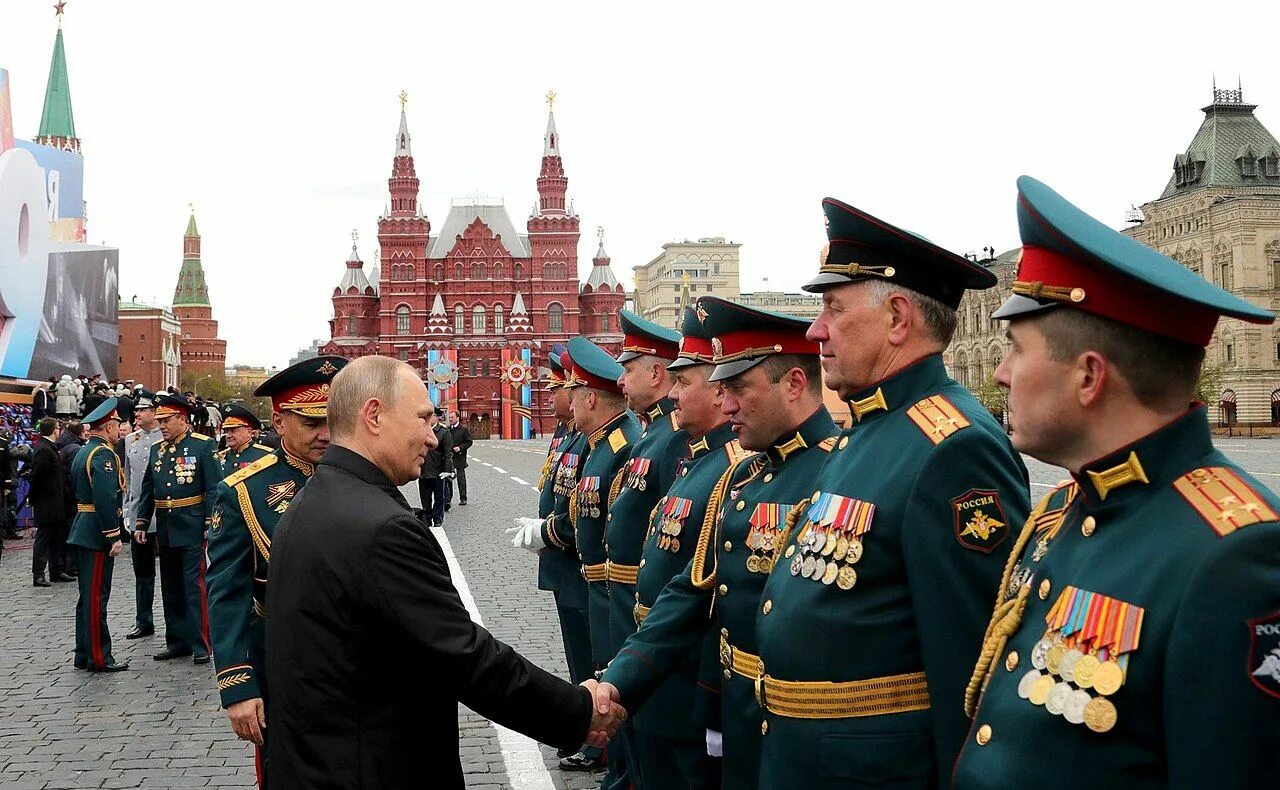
49,548
93,639
143,557
576,637
185,598
431,490
660,762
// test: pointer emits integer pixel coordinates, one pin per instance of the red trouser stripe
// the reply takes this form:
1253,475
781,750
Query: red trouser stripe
95,611
204,596
258,766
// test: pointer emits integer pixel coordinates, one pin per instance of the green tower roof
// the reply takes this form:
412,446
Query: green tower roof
57,120
192,290
191,227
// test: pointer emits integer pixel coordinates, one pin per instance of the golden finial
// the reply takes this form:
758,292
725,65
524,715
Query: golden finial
404,99
551,100
684,278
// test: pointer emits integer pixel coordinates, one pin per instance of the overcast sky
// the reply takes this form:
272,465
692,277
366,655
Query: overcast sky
678,120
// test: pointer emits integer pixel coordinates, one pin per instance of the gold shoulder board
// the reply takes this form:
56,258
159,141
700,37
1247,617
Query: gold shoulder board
937,418
263,447
240,475
195,435
1223,499
617,440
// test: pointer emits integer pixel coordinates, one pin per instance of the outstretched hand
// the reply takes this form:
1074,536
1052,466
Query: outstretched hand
607,713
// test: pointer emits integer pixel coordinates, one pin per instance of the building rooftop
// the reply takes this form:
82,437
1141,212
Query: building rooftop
491,213
1231,149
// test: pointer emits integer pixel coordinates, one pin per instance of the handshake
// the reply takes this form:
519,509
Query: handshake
607,713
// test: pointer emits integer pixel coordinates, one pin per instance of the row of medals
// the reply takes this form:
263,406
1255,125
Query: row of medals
590,504
826,557
669,537
762,543
183,472
565,479
1077,671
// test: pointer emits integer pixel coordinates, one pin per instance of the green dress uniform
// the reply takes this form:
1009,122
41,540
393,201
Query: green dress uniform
237,416
1136,637
670,729
876,596
233,461
99,488
178,490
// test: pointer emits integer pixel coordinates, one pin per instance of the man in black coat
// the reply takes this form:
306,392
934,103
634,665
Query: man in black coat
48,505
461,441
69,442
437,467
369,647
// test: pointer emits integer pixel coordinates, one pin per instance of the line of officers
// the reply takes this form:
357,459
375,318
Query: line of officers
209,516
781,603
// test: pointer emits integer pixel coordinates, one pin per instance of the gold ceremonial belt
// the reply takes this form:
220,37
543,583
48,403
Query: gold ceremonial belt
596,573
174,504
639,613
745,664
800,699
84,508
622,574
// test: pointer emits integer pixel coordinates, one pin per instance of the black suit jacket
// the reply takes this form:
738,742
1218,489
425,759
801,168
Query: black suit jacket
463,441
370,650
48,496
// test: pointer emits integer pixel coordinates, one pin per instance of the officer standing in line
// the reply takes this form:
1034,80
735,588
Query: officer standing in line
250,502
1137,630
879,589
99,484
142,548
240,427
179,489
773,398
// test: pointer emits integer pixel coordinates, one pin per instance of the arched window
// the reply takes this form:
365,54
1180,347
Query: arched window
477,271
352,324
478,320
457,272
499,325
497,271
459,320
402,320
473,366
555,318
439,271
604,322
517,271
484,366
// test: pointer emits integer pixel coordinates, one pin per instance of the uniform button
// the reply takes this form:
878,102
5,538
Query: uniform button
610,517
741,505
817,494
768,607
1045,587
844,442
768,477
728,675
984,734
1011,660
637,597
641,563
724,589
764,728
1088,526
728,546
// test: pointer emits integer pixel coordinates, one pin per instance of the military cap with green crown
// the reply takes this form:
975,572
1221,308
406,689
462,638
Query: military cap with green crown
593,367
302,388
695,340
168,404
743,337
1071,260
862,247
641,336
105,411
236,416
556,377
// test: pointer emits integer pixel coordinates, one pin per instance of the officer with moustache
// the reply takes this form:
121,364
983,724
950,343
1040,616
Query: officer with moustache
240,427
250,502
773,399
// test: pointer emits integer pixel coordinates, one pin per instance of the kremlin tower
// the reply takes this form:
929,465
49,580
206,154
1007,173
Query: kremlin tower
201,348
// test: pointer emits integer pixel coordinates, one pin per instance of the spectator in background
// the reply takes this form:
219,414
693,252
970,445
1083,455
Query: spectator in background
437,468
69,395
69,443
41,406
48,505
461,442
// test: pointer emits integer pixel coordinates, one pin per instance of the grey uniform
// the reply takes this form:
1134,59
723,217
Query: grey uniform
137,453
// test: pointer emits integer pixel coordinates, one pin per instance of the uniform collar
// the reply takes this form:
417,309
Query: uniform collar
301,464
661,407
713,439
1149,464
904,388
604,430
96,438
808,434
178,440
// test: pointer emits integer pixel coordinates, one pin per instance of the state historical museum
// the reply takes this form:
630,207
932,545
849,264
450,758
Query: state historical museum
478,306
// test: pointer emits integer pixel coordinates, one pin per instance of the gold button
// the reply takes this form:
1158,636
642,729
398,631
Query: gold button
641,563
764,728
768,477
1088,525
728,546
844,442
768,607
724,588
728,675
1045,587
741,505
984,734
817,494
1011,660
610,517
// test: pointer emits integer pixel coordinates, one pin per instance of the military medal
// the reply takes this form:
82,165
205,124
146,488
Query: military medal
1108,679
855,551
806,568
753,563
842,548
1066,668
846,578
829,575
1040,652
1073,710
797,565
1057,698
766,520
1028,680
1100,715
1085,670
1040,690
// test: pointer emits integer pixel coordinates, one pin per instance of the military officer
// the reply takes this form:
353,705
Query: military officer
773,398
178,491
99,487
240,427
142,548
1136,633
904,534
250,502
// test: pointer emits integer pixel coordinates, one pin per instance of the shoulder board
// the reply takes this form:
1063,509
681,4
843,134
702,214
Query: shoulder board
617,440
828,444
937,418
195,435
240,475
263,447
1224,499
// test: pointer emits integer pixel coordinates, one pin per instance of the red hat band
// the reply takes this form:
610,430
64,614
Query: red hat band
641,344
754,343
698,348
309,400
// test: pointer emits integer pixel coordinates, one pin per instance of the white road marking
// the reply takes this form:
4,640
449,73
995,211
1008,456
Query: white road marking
521,756
521,482
1044,485
500,470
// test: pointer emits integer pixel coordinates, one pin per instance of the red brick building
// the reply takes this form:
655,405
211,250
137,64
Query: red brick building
149,345
201,347
477,306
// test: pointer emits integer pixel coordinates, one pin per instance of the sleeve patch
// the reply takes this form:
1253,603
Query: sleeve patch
1264,654
215,520
1223,499
980,521
937,418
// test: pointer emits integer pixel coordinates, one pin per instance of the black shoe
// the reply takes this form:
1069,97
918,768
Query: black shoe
567,752
113,667
581,762
72,574
11,535
201,659
40,581
80,663
172,652
138,632
463,502
62,577
447,508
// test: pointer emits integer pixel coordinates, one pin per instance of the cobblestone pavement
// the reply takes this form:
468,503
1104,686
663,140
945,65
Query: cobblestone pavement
159,725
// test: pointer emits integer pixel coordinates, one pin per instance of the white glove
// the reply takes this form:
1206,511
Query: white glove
527,534
715,743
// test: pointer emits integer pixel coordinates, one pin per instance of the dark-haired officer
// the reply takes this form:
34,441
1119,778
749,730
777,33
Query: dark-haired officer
878,590
1136,635
250,502
240,427
99,487
178,491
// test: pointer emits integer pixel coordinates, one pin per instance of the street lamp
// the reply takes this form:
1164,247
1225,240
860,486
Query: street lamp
196,388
